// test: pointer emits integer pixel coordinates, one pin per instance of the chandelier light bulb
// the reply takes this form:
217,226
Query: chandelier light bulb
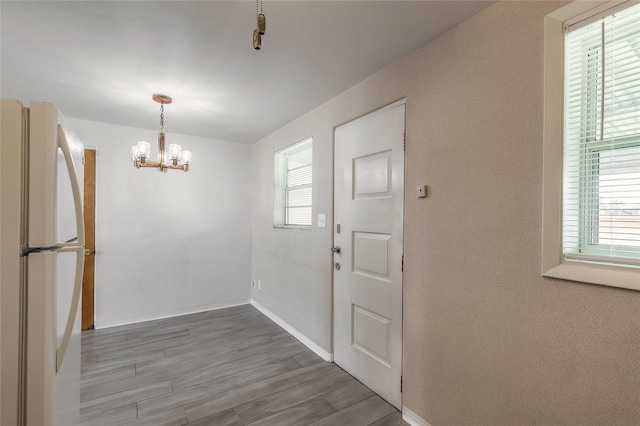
174,151
185,157
144,149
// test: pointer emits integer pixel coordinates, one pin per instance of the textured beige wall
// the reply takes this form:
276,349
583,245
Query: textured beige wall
487,340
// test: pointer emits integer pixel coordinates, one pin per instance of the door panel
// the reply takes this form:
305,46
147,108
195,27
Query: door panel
53,397
370,334
43,175
371,175
368,191
371,253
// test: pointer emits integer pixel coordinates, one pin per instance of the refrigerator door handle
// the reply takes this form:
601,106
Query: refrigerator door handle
75,300
77,246
75,185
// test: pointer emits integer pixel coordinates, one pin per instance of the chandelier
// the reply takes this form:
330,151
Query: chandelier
174,159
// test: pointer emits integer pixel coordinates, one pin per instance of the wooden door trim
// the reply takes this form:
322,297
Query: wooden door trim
88,279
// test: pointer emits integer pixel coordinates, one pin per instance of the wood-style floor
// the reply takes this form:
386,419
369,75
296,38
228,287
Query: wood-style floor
226,367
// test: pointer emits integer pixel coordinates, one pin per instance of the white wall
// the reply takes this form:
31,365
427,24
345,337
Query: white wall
170,243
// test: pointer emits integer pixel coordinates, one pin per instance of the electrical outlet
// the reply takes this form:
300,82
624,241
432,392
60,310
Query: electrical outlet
259,285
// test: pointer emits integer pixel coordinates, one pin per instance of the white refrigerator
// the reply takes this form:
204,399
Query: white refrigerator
42,239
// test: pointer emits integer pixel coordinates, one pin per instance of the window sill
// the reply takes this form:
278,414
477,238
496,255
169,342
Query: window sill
611,276
292,228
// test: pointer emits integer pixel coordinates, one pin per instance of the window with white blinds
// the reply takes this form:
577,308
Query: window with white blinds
601,141
293,172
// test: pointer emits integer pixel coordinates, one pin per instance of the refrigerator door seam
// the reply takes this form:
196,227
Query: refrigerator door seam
24,239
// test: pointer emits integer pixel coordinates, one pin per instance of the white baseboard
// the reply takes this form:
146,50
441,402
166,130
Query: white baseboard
327,356
133,319
412,418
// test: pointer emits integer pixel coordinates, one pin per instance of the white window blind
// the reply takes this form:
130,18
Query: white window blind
293,172
601,152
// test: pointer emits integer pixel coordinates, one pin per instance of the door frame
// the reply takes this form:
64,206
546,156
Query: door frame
402,101
88,288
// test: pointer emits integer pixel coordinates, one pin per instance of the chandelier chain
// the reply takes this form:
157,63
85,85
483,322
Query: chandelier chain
162,116
258,12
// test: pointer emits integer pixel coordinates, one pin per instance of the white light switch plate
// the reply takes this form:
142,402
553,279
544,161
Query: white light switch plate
322,220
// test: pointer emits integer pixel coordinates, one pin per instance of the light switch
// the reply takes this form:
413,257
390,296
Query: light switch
322,220
421,191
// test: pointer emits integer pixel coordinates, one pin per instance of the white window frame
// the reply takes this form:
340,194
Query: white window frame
281,220
553,264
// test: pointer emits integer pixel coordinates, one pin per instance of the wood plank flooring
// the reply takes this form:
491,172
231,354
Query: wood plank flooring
228,367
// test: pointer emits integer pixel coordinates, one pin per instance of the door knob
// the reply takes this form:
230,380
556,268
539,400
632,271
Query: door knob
335,249
87,252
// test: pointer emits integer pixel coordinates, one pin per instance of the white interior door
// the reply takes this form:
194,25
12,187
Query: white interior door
368,210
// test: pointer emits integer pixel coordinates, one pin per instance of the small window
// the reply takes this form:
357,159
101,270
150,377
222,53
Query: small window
600,149
293,167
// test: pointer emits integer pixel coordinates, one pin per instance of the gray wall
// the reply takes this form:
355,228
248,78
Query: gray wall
169,243
487,339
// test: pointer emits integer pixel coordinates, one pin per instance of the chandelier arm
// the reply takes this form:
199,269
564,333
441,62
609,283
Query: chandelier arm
149,163
183,167
165,167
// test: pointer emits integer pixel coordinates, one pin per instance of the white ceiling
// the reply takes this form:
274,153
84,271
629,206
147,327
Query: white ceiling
102,60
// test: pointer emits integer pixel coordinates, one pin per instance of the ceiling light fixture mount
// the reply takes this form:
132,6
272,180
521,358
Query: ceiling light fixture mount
174,159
